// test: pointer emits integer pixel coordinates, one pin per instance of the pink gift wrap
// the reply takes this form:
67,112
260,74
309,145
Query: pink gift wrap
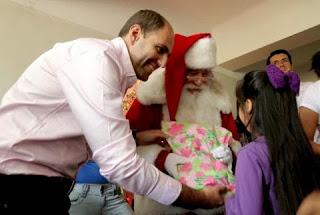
196,142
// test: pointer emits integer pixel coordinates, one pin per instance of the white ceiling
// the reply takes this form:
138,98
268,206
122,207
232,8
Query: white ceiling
186,16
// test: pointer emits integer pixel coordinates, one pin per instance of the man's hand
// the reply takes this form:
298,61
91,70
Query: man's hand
214,195
208,198
149,137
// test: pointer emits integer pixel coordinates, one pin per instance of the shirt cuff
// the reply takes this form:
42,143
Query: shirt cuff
167,190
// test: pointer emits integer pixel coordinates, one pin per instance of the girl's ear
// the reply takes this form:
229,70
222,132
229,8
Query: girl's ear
248,106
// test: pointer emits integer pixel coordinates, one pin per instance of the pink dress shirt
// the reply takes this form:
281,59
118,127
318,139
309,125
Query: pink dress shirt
66,107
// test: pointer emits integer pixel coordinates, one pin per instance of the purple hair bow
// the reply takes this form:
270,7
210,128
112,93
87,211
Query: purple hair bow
278,80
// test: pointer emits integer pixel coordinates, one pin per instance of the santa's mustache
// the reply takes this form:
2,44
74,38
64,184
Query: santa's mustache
193,87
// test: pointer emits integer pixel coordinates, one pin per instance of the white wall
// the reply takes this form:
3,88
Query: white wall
305,74
25,34
264,24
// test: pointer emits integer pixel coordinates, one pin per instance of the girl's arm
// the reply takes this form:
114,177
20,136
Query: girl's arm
248,198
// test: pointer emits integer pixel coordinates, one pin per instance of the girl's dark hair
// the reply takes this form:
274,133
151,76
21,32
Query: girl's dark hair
148,20
275,116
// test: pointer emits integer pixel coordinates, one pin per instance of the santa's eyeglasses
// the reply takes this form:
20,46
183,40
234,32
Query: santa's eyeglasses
194,75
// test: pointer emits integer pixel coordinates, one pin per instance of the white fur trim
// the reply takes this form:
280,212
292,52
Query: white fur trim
202,55
222,102
152,91
149,152
144,205
203,108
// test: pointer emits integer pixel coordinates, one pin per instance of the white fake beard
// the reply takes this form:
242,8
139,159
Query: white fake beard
201,108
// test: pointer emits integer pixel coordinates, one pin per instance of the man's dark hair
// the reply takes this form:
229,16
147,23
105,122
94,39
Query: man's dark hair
315,63
148,20
279,51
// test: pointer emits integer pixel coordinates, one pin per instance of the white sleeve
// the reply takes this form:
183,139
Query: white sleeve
91,84
310,98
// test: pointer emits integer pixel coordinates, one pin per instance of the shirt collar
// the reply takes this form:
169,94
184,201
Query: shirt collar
125,60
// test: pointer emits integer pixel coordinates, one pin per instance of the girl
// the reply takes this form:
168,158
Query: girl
278,168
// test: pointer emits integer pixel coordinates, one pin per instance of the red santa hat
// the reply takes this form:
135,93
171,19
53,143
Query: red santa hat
195,52
165,85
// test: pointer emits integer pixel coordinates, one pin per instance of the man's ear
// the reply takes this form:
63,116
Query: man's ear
135,33
248,106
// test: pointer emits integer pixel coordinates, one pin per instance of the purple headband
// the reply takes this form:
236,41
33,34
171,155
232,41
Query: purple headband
278,80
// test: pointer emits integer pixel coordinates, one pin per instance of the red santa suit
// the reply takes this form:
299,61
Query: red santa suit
164,97
158,98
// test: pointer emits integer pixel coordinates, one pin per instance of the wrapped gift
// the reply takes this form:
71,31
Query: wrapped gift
196,143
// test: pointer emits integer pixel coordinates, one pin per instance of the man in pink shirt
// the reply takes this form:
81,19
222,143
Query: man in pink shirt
66,108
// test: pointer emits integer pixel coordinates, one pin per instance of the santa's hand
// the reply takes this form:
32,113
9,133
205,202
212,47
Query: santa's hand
223,154
149,137
172,162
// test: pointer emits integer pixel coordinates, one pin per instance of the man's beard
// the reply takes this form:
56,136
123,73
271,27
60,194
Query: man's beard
203,107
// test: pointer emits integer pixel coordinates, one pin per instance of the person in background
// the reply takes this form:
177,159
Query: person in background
187,90
310,205
309,109
283,60
276,171
66,108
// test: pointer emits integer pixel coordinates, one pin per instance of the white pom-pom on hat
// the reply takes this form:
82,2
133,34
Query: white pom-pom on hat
202,54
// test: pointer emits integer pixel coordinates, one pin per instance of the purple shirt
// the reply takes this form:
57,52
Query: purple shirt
255,188
67,106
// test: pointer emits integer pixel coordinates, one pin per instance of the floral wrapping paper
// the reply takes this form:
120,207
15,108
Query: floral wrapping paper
195,142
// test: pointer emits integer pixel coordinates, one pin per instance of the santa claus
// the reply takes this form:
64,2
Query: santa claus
185,91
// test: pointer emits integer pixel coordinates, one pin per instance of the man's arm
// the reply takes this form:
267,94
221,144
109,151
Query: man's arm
309,113
309,121
91,86
89,83
207,198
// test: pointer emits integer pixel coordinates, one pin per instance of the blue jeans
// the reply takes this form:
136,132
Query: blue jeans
97,199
